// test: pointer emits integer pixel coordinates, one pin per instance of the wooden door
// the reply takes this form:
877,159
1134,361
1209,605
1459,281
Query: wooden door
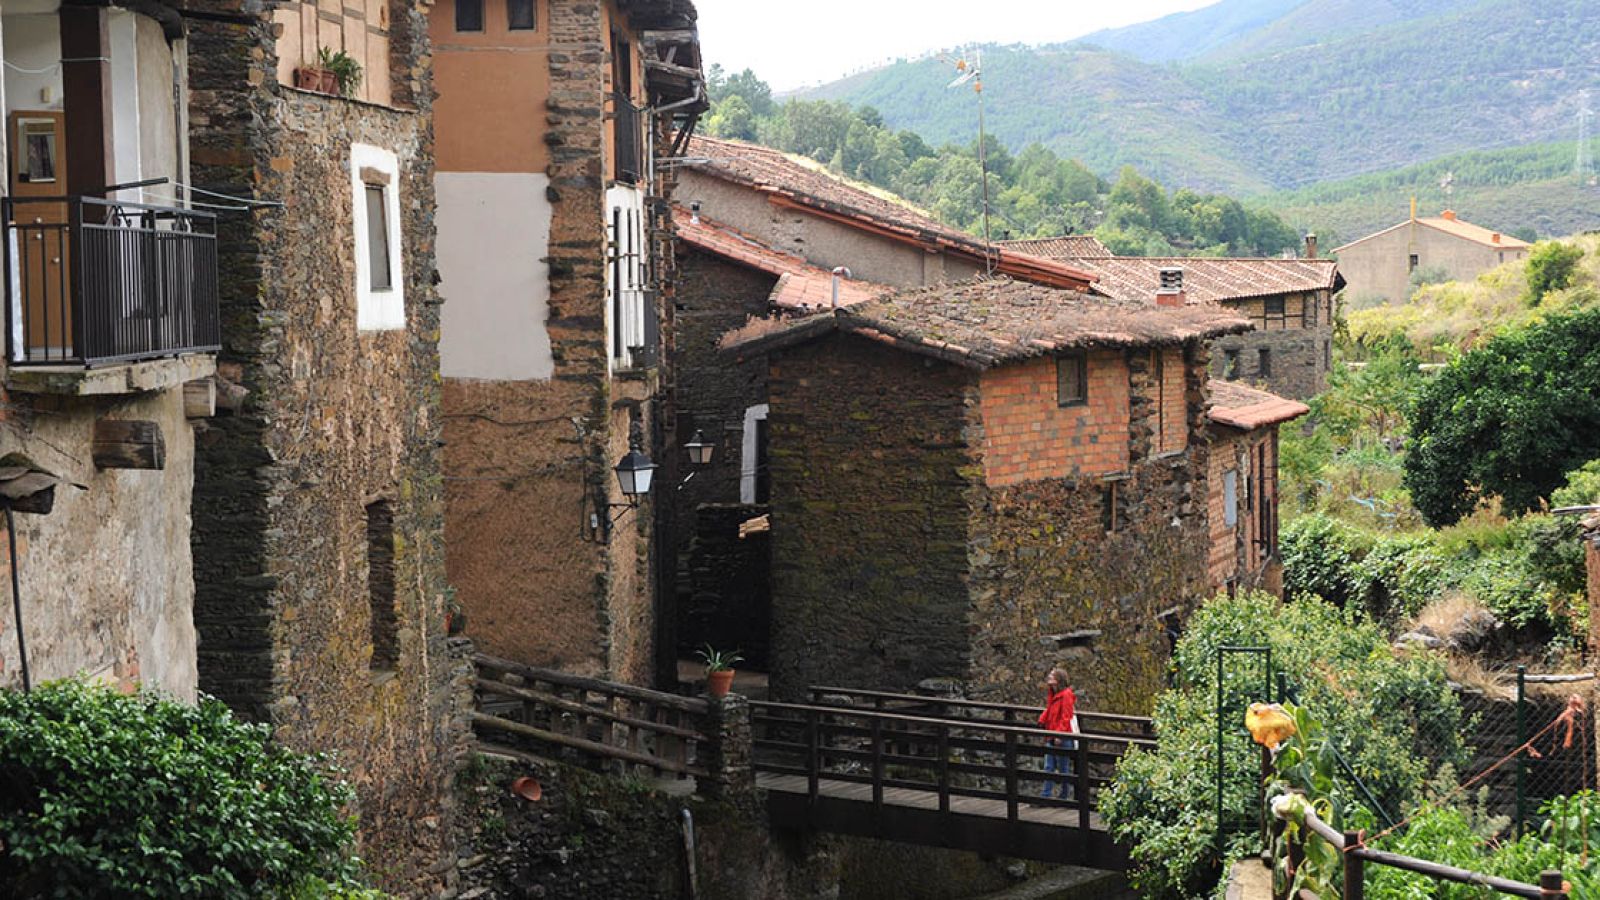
40,243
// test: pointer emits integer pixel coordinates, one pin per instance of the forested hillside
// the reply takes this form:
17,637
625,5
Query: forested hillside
1032,193
1303,99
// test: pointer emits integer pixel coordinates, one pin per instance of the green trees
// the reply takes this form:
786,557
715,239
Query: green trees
1034,193
105,795
1507,420
1551,266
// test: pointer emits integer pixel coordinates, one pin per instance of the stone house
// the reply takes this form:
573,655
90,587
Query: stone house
554,121
760,232
1380,265
1242,485
977,481
111,332
318,503
1289,352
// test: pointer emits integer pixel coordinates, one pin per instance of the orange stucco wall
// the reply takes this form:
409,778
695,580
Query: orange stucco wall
1028,435
492,85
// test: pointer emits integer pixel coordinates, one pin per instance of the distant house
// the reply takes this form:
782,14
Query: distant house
977,481
1380,265
1289,300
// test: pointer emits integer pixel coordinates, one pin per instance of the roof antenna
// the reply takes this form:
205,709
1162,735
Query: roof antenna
973,72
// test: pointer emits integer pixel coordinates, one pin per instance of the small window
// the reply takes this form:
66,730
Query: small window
1274,306
469,15
1327,355
520,15
1072,379
1415,261
380,586
1108,515
1230,498
378,238
1265,366
1230,364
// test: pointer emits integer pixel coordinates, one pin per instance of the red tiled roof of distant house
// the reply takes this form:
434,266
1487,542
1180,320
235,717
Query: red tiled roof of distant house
1249,408
1072,246
795,181
986,322
1448,223
800,284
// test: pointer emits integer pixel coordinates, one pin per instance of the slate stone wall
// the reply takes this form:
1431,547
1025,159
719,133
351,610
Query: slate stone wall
1300,354
725,586
336,419
873,476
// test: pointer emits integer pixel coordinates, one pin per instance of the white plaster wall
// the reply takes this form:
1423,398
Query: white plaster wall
157,126
32,42
494,234
125,75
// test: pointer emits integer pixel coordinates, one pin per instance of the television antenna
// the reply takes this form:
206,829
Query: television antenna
972,73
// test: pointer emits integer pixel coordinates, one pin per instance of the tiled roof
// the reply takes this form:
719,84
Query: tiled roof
986,322
1449,224
1211,280
787,179
1072,246
1249,408
800,284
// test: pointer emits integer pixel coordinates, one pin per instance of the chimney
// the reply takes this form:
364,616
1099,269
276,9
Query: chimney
1171,290
1448,215
1495,238
1311,246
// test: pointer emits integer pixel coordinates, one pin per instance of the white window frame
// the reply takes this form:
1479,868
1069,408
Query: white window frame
627,276
747,453
381,310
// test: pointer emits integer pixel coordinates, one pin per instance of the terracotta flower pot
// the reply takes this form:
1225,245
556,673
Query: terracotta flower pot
718,683
308,78
330,82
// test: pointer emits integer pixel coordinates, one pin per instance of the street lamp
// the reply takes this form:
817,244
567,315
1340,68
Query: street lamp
634,471
700,450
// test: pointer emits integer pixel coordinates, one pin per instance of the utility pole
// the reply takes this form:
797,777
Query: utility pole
1583,167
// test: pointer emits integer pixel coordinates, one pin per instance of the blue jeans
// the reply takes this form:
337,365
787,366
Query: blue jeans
1060,764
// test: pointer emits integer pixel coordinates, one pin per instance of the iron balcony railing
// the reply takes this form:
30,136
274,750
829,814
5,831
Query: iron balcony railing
92,282
628,134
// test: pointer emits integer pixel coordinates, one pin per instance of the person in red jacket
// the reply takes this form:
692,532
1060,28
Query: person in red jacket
1060,714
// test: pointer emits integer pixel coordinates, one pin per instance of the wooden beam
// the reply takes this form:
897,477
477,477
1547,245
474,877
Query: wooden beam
200,399
128,444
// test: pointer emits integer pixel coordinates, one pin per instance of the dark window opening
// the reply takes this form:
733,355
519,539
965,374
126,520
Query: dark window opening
380,586
1072,379
1160,360
763,469
1265,365
520,15
1415,261
1108,513
469,15
1230,364
1274,306
1327,355
378,238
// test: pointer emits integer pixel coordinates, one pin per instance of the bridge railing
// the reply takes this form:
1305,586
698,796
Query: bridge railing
935,707
957,761
664,733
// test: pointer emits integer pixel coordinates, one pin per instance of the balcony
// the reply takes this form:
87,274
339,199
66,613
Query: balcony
95,283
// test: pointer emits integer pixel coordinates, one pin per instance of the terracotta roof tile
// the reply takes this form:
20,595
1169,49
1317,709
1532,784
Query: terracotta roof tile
790,179
1451,225
1249,408
1209,280
800,284
1072,246
986,322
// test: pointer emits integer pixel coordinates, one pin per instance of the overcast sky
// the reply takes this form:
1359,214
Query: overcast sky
794,43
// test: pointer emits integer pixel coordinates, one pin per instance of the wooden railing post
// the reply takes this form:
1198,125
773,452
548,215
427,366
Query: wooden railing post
1355,887
944,768
877,767
1551,886
1081,763
813,755
1011,777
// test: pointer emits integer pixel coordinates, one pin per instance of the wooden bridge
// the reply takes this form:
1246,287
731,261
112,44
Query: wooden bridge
934,771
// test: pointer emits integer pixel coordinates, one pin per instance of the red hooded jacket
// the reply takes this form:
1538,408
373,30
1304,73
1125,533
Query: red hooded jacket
1057,716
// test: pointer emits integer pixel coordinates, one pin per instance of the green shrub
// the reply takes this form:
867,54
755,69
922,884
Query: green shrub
1582,487
1392,716
1551,266
103,794
1321,556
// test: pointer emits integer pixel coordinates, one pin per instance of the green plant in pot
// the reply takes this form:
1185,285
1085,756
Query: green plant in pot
719,669
346,71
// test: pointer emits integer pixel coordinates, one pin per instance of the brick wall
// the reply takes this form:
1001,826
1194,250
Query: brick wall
873,478
336,419
1028,435
1173,433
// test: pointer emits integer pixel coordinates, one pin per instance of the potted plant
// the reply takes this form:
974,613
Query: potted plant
343,68
312,78
719,670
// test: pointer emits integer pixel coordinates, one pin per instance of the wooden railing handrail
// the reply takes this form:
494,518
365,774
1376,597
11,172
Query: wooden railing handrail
1001,728
1424,867
695,705
974,704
